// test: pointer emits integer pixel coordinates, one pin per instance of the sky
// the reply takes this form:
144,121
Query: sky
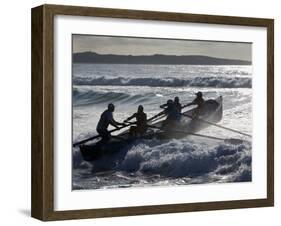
150,46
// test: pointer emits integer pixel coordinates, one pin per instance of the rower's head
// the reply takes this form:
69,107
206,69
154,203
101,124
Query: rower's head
111,107
140,108
199,94
170,102
177,100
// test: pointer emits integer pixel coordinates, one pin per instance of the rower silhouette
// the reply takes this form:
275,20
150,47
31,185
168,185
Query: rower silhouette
172,111
141,122
107,119
199,101
177,104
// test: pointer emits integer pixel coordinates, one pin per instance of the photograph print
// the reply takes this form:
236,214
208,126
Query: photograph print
160,112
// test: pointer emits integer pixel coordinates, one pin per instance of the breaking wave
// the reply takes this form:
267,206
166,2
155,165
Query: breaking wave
179,159
88,97
219,82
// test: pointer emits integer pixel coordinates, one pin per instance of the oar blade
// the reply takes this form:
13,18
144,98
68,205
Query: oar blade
234,141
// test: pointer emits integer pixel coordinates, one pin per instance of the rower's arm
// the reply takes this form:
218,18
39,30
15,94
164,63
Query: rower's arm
163,106
189,104
131,117
114,123
118,123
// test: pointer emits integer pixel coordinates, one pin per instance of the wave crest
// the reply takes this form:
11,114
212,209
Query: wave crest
88,97
219,82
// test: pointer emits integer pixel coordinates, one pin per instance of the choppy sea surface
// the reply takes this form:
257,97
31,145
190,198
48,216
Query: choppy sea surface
190,160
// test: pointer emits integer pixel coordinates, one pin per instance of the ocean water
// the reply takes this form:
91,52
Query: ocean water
190,160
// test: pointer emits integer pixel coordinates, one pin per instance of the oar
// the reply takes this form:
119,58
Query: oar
185,132
97,136
156,119
232,141
155,116
219,126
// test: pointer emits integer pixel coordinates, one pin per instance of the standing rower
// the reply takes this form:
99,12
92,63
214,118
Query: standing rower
107,119
141,122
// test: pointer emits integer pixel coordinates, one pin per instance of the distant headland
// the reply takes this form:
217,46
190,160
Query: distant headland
95,58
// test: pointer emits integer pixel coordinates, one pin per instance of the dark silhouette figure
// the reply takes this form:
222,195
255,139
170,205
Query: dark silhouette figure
172,112
199,101
107,119
141,122
177,104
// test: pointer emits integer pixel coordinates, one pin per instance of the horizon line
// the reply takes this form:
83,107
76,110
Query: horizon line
157,54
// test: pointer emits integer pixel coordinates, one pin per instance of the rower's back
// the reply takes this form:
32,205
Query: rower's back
105,119
141,118
199,101
172,112
177,104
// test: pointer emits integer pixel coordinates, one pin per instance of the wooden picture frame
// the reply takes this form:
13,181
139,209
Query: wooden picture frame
43,112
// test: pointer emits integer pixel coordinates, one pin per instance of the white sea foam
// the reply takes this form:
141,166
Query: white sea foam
219,162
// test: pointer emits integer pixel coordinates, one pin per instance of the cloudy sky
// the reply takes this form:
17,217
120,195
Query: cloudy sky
149,46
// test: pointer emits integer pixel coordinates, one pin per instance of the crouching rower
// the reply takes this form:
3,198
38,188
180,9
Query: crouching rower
141,123
107,119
